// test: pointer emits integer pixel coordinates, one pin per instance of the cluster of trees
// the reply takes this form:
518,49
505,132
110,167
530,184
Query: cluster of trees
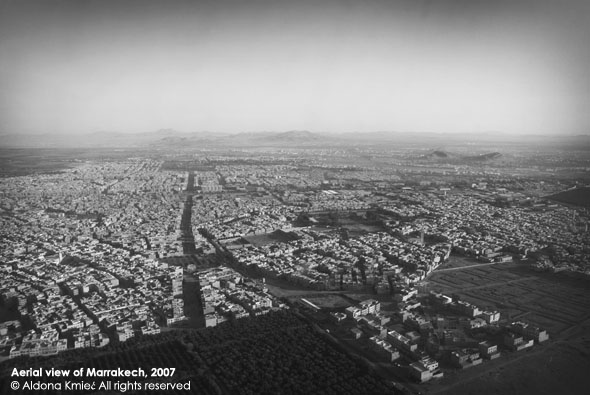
278,353
243,328
169,354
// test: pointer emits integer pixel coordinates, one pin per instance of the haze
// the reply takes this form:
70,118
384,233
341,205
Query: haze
326,66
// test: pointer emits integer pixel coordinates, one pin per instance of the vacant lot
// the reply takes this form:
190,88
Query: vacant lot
554,302
577,197
330,301
557,303
455,261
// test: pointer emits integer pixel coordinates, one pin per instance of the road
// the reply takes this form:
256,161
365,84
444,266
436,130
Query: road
188,239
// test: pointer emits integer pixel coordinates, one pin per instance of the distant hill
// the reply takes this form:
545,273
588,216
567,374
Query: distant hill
293,138
296,135
439,155
105,139
576,197
484,157
461,142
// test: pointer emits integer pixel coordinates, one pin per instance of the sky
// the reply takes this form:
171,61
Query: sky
461,66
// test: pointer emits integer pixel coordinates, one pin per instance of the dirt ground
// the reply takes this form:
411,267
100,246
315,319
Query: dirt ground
556,303
329,301
557,368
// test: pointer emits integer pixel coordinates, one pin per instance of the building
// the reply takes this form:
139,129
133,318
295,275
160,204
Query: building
491,317
384,348
210,320
401,342
420,372
465,358
356,333
370,306
529,331
516,342
429,363
488,350
365,307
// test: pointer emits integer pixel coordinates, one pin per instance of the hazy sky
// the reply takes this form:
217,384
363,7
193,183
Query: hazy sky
408,65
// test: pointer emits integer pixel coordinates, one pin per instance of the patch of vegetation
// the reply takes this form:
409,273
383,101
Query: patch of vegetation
278,353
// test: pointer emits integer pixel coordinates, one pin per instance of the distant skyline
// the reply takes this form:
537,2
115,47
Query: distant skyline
231,66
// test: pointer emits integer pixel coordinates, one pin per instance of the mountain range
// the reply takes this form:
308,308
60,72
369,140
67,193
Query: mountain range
164,138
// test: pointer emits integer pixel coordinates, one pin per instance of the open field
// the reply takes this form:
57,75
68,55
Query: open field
19,162
553,302
576,197
357,227
25,161
557,303
458,261
329,301
353,224
553,368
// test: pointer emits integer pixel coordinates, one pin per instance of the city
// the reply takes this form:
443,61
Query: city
415,264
